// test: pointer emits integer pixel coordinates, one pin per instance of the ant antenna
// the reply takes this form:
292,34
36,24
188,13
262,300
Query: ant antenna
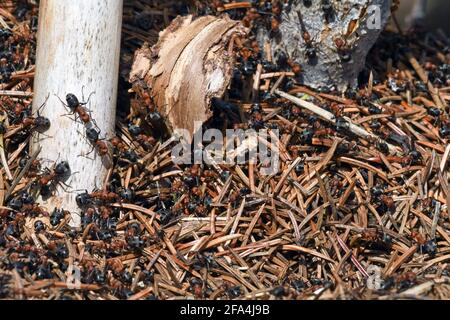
46,136
65,105
43,105
89,97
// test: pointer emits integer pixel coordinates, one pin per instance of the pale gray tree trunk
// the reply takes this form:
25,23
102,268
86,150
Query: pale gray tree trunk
78,45
357,23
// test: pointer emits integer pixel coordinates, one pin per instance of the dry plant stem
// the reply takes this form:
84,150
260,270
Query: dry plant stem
326,115
3,159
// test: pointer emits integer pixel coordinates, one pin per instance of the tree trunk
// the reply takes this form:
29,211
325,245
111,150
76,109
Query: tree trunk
78,46
329,39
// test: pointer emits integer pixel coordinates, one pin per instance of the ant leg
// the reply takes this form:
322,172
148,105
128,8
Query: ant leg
66,185
38,134
68,116
60,184
82,92
64,104
43,105
85,156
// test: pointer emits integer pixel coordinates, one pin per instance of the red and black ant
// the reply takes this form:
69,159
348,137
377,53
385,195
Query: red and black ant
341,43
93,135
147,142
39,124
343,49
33,123
50,178
76,107
104,196
118,144
310,52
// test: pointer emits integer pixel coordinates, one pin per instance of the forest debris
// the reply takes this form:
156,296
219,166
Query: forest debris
188,66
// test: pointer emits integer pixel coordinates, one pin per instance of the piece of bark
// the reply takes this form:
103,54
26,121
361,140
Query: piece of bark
189,65
352,21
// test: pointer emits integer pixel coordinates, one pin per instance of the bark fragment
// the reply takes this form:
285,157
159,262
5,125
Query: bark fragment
189,65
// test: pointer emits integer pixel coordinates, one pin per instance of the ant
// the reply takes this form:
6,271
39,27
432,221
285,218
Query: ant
310,51
343,49
34,168
307,3
274,26
342,46
146,141
76,107
39,124
15,110
118,144
328,10
93,135
85,199
250,16
296,68
104,196
50,177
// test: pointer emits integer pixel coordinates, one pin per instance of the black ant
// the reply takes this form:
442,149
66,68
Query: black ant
328,10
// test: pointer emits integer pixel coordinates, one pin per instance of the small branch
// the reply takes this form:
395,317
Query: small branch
23,172
12,93
328,116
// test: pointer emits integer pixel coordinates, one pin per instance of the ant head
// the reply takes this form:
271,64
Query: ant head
135,130
326,4
127,194
307,3
42,124
83,199
72,101
62,168
131,156
339,42
2,128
